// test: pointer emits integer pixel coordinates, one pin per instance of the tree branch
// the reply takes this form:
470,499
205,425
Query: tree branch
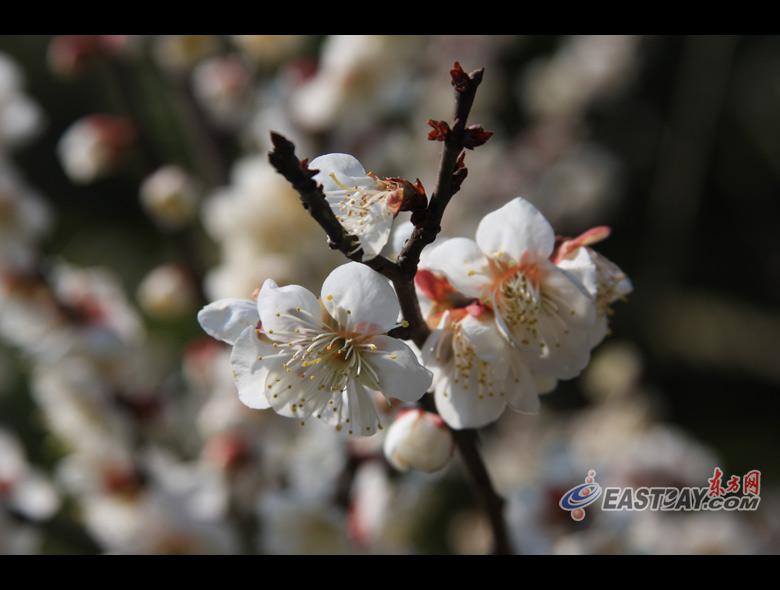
427,223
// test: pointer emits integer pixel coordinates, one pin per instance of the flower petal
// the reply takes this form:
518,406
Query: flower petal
514,229
373,229
226,319
400,375
462,405
521,389
484,337
250,369
283,309
346,168
360,299
462,262
359,410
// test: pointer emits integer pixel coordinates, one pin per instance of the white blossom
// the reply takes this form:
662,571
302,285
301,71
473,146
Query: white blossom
545,313
365,205
304,357
477,373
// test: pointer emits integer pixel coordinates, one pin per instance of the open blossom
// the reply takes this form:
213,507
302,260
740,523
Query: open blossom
364,204
477,372
544,312
304,357
607,285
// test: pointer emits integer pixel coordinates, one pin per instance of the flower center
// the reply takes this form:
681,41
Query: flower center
515,292
357,201
326,353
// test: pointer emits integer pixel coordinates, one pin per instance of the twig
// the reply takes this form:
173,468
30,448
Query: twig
427,223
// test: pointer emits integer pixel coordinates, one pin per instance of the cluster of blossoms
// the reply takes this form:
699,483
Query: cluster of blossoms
514,312
510,314
156,461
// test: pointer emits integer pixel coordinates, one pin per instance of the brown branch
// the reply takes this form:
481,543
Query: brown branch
427,221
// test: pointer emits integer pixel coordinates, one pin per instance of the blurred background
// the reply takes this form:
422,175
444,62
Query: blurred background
135,188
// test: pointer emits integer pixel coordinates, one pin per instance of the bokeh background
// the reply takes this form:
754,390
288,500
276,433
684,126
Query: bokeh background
672,141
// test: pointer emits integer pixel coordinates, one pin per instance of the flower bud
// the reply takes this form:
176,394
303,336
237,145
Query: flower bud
419,440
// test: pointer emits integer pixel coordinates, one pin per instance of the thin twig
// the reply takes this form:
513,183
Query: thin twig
427,223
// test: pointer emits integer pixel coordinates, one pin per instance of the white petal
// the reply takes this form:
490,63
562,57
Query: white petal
463,263
346,168
461,406
400,375
514,229
294,393
521,392
360,299
250,368
226,319
484,337
283,309
360,410
373,229
583,269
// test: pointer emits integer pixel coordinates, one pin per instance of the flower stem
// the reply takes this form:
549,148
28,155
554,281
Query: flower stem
427,222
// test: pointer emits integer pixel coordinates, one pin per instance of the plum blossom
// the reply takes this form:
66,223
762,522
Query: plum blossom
364,204
304,357
544,312
477,372
607,285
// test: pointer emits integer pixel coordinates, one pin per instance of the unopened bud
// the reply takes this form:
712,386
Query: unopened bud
419,440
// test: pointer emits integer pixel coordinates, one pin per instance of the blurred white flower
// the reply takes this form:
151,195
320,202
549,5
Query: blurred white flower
94,147
168,291
269,50
292,524
262,231
21,118
180,53
170,196
223,87
585,68
23,487
355,79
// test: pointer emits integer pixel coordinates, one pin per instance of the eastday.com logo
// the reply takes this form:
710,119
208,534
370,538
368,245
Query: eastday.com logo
577,498
714,497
